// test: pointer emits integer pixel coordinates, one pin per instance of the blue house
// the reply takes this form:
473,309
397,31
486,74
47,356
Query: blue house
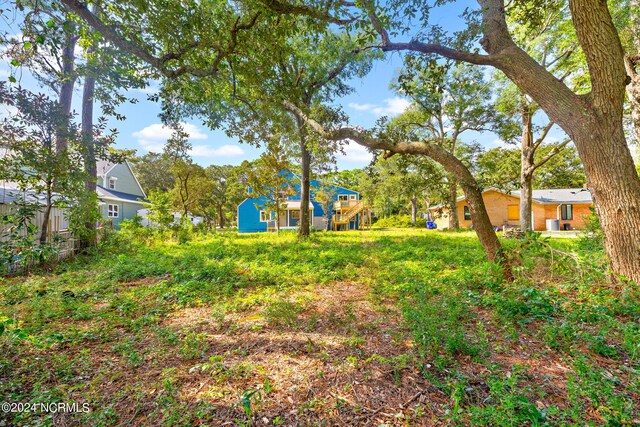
345,211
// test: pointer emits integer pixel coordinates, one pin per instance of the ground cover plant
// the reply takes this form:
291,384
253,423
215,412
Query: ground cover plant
384,327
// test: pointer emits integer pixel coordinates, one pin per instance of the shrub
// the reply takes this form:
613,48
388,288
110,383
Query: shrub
397,221
592,239
184,233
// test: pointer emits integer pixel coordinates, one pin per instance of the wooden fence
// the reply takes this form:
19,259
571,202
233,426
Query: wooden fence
65,245
58,222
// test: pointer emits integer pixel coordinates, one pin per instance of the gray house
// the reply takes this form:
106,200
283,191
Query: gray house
119,191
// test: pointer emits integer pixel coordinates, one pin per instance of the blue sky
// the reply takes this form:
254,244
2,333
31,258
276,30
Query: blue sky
143,131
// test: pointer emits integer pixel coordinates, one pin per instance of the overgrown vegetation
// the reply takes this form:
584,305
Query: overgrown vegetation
404,327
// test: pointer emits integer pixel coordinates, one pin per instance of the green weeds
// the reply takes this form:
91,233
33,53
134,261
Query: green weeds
96,326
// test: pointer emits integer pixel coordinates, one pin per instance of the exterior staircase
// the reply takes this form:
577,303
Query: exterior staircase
344,218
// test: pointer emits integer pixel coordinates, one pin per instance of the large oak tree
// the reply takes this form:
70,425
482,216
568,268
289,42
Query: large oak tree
593,120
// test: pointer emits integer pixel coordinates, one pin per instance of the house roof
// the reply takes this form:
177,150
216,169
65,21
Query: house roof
560,195
295,204
104,166
551,196
108,194
11,195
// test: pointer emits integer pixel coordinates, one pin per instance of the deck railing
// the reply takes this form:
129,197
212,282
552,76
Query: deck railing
345,204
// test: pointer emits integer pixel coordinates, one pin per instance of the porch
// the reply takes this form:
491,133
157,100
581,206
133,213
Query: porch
289,217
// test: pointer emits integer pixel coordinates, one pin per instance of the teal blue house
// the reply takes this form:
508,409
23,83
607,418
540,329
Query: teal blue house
345,211
119,192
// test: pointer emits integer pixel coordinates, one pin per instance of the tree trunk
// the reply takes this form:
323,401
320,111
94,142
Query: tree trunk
44,227
68,80
454,221
414,209
305,184
593,121
220,216
484,229
90,168
615,187
526,197
526,177
632,61
600,138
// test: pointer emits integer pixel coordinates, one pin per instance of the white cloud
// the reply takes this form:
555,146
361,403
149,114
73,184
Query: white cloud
227,150
154,137
361,107
7,111
356,153
391,107
496,143
151,89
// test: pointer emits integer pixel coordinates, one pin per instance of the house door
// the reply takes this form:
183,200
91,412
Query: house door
294,218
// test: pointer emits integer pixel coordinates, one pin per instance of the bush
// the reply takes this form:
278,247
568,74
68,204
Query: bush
184,233
397,221
592,239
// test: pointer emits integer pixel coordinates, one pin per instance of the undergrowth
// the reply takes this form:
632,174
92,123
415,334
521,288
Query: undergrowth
558,346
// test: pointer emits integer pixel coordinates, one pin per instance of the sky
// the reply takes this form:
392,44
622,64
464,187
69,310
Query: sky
143,131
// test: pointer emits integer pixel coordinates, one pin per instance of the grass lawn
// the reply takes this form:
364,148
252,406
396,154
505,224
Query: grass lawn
387,327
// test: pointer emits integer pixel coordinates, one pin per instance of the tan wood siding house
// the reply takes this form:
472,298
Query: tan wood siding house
568,206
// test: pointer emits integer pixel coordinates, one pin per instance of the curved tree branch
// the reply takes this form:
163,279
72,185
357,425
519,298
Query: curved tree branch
447,52
558,148
434,151
160,62
505,55
543,135
416,46
293,9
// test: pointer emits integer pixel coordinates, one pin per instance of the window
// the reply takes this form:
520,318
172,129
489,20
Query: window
513,212
343,197
112,183
467,213
566,212
113,211
264,216
352,197
295,214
